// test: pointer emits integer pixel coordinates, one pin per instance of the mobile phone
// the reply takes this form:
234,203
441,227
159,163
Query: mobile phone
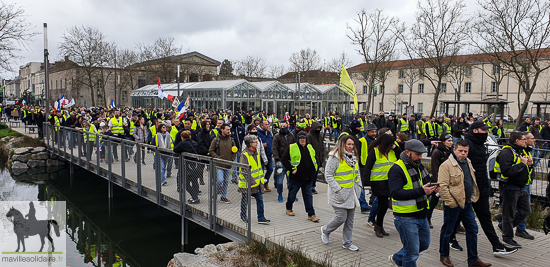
434,184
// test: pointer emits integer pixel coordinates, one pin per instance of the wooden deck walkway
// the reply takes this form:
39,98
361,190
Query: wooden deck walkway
299,232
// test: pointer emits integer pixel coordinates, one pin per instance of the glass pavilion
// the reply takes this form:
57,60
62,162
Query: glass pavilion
271,96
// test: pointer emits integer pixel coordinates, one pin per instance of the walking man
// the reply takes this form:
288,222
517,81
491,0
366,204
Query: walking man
281,143
222,148
458,194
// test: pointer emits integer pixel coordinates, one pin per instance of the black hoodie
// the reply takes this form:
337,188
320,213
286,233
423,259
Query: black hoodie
317,142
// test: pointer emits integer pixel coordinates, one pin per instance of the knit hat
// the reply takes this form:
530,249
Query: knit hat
354,124
302,134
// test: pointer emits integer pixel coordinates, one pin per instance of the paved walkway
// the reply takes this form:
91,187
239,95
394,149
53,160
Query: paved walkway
298,232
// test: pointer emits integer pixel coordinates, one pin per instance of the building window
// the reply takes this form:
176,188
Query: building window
527,68
400,88
421,107
421,88
421,73
99,84
142,81
401,74
443,88
467,88
365,89
382,89
380,107
124,96
524,85
494,87
468,71
441,108
400,108
496,69
61,83
467,108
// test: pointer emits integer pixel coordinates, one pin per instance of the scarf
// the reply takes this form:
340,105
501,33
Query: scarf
412,169
350,159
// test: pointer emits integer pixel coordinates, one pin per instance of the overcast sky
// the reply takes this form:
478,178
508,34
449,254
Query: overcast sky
231,29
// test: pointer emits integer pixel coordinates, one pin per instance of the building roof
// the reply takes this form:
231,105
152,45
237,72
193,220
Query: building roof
152,89
470,58
310,74
325,87
483,102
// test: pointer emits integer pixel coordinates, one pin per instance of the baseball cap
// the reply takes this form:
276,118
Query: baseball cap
479,125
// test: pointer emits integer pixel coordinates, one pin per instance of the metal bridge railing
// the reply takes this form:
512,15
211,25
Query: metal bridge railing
189,184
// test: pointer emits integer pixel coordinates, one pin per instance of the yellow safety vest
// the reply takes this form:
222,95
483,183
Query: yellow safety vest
256,171
157,141
334,123
132,127
404,125
194,125
89,135
117,126
430,129
408,206
382,165
173,132
296,157
517,160
345,175
364,150
57,123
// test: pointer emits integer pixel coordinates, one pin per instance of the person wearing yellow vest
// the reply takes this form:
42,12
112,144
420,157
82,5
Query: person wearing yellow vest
382,154
140,137
514,168
327,123
409,186
253,180
521,229
90,137
116,125
344,187
403,125
301,165
336,126
163,140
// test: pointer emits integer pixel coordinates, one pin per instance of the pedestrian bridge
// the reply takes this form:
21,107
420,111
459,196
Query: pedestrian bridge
224,219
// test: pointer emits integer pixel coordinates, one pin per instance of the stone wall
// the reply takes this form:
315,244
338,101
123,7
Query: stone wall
33,160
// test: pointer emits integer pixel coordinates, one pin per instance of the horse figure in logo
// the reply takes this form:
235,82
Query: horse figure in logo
24,227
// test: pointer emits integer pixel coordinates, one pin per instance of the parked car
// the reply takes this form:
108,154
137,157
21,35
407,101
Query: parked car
507,118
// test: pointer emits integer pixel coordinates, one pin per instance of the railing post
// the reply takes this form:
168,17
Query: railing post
213,194
138,166
158,174
181,181
66,143
110,167
79,144
123,163
249,204
72,147
98,146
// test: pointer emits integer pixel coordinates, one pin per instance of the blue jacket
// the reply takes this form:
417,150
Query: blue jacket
267,138
238,134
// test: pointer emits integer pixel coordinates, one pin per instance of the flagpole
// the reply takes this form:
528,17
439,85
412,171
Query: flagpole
46,71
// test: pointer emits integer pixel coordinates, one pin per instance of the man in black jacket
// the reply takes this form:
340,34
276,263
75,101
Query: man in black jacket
524,126
299,160
514,175
476,138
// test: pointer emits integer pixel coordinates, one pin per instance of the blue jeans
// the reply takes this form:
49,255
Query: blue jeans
451,216
291,128
235,170
163,164
336,132
269,168
293,187
522,225
362,201
279,178
373,211
259,205
415,236
325,132
223,181
413,135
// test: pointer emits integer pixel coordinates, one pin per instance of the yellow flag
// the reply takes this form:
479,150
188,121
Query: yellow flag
346,85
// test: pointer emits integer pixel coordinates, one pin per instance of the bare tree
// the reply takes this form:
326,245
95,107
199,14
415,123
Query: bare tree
411,75
128,70
436,39
382,76
226,68
394,98
275,71
14,34
157,59
305,60
375,34
457,72
92,55
516,34
335,65
251,67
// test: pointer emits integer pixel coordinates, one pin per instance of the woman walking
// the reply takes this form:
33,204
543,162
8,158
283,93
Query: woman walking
140,136
204,139
342,175
255,180
383,152
163,140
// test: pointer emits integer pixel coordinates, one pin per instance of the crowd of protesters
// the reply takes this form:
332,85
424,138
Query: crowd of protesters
382,153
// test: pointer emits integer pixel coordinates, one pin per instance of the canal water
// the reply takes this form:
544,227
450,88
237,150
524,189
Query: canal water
124,231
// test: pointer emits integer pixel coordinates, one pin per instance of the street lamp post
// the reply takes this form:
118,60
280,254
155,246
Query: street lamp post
178,81
46,71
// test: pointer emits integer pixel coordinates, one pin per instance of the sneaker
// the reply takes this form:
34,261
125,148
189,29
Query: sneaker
116,159
365,210
169,175
324,237
264,221
289,213
143,162
313,218
511,243
225,200
127,159
524,234
351,247
280,198
503,250
371,223
194,201
455,246
165,183
314,191
390,257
